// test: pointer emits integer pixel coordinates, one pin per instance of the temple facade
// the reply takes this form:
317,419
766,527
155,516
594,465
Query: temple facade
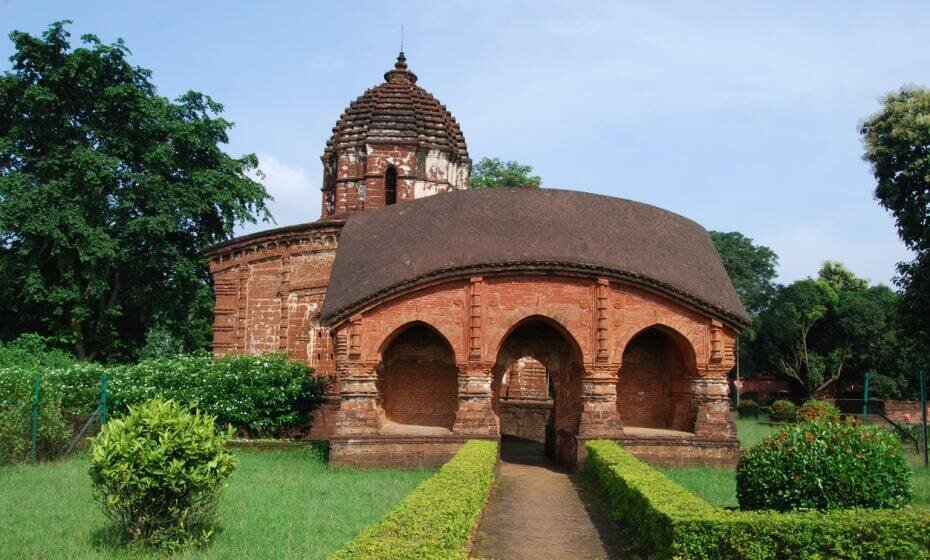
441,313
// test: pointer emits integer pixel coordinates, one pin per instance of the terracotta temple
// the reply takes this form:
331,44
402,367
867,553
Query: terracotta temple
442,313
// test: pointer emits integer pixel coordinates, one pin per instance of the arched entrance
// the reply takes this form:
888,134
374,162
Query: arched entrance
547,350
653,361
418,379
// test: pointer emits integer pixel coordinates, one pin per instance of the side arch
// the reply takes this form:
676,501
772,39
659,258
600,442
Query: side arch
684,345
652,388
418,378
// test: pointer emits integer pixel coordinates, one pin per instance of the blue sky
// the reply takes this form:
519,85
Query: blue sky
740,115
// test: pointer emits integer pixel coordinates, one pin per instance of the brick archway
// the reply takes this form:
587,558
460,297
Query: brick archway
417,377
549,344
655,362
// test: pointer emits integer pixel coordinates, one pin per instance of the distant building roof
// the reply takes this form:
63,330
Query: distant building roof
478,231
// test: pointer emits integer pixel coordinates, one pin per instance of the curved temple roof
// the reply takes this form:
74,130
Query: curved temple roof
398,111
478,231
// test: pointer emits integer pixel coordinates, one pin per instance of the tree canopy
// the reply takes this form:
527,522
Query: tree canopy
492,172
897,145
835,326
108,195
752,268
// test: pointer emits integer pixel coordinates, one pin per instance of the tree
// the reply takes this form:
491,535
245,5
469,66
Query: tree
752,268
897,145
784,337
108,195
492,172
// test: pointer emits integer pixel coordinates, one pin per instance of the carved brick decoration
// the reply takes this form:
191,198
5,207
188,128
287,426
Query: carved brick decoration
475,416
474,319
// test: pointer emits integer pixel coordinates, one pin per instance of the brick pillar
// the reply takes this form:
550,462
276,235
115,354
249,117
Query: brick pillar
599,415
711,400
475,416
359,413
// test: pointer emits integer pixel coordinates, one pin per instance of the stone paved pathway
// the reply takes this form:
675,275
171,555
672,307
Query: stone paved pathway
538,510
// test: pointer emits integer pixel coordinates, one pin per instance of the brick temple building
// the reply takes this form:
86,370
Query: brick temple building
442,313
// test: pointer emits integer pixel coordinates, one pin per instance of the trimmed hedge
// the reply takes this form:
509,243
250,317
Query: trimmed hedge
437,519
666,521
748,408
783,411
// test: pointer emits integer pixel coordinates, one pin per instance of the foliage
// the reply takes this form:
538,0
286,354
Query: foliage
492,172
437,519
16,396
751,267
897,145
157,473
33,350
666,521
260,396
816,409
748,408
110,193
783,411
824,465
47,511
835,326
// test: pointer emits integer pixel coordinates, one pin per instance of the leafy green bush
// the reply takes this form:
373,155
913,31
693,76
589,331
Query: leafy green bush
815,409
16,395
157,473
783,411
824,465
667,522
33,350
748,408
437,519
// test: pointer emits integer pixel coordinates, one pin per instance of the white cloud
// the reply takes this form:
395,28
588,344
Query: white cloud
296,193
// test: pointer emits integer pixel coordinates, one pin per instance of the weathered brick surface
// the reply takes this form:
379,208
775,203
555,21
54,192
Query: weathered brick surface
474,355
418,380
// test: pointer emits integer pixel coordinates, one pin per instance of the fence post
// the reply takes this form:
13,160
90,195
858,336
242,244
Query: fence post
104,390
923,413
865,399
34,425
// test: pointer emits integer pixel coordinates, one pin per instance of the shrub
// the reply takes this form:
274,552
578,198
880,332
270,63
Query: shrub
668,522
157,473
815,409
437,519
783,411
748,408
824,465
16,395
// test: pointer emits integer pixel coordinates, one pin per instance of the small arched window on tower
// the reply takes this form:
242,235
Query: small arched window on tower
390,185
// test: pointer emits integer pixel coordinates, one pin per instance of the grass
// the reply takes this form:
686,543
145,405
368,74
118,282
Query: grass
717,485
279,504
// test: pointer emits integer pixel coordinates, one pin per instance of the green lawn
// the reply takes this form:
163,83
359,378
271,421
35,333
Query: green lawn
279,504
718,485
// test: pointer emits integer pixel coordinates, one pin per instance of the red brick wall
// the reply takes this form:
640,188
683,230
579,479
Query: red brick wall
644,392
418,379
525,379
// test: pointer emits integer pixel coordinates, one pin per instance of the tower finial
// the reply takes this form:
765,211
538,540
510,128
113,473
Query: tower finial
401,37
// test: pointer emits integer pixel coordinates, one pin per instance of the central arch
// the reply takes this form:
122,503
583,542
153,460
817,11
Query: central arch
542,344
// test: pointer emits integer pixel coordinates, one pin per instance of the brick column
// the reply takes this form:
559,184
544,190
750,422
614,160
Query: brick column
359,412
475,416
711,400
599,415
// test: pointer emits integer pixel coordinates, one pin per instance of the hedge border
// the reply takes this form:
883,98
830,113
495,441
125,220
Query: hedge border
436,520
665,521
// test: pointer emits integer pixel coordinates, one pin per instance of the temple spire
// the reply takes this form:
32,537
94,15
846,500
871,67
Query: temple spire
400,71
